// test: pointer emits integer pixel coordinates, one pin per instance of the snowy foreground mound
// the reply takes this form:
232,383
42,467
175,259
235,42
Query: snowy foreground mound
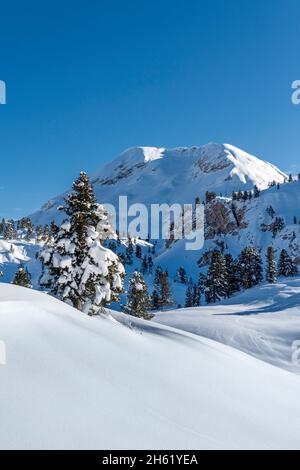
73,381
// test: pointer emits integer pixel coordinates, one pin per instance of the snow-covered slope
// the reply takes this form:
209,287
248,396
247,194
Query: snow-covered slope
157,175
252,229
222,228
263,322
161,175
13,253
72,381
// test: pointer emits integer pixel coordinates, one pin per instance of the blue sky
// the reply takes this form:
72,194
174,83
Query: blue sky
87,79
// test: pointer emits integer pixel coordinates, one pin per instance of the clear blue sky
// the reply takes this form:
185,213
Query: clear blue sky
87,79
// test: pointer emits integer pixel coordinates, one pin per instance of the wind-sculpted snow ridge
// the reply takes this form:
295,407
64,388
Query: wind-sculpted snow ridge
263,322
158,175
78,382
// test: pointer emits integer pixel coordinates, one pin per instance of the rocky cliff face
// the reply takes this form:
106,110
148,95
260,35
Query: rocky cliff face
272,219
222,217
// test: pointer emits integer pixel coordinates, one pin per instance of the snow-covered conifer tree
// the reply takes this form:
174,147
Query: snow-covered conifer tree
46,233
201,283
9,232
165,290
196,296
144,265
129,252
78,269
155,303
39,233
53,228
286,266
22,278
271,266
138,251
181,276
232,272
150,265
138,300
162,287
250,267
158,272
216,284
189,301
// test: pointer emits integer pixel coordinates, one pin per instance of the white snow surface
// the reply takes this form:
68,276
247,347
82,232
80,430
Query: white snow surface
12,252
263,322
73,381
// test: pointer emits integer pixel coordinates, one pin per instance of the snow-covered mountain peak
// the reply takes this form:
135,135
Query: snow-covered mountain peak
135,155
238,165
225,159
248,166
174,175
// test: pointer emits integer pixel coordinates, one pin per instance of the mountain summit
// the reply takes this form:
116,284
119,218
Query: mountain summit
156,175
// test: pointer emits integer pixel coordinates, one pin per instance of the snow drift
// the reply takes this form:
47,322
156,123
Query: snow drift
263,321
72,381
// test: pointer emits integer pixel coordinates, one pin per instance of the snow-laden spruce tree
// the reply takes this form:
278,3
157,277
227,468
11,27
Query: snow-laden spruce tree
233,277
189,294
155,301
77,268
9,232
286,266
22,278
138,299
250,267
192,295
164,290
144,265
271,266
216,283
196,296
181,276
